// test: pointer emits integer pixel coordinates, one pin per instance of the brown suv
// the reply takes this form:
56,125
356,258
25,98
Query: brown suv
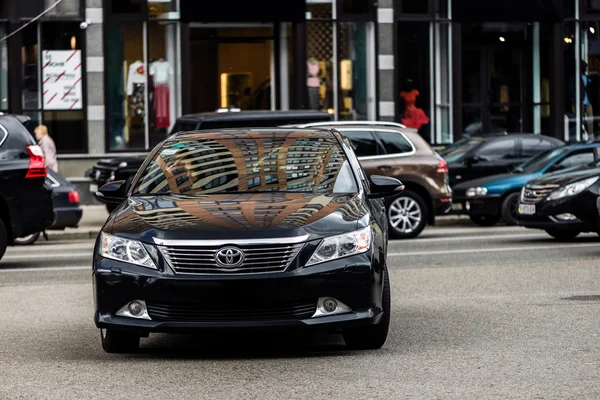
391,149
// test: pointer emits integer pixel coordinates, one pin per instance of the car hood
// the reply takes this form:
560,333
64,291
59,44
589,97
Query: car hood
565,177
236,216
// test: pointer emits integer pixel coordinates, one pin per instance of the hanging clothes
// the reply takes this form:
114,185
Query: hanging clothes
161,72
136,83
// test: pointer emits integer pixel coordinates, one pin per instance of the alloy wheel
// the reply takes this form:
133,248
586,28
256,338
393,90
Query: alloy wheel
405,214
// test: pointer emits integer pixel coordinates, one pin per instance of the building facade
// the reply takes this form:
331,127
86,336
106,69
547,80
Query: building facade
111,76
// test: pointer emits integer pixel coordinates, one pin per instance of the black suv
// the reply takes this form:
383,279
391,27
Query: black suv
124,168
25,200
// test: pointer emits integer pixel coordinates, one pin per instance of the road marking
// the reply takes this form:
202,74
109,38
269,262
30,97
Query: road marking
72,268
49,257
492,250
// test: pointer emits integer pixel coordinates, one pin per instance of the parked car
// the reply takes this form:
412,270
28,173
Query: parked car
390,149
295,237
564,204
486,200
483,156
124,168
65,200
25,200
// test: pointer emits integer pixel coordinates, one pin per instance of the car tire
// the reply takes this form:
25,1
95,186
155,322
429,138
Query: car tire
114,341
508,209
402,225
3,239
562,234
484,220
30,239
372,337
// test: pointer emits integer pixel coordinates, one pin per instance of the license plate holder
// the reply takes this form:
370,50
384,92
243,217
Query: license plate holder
93,188
527,209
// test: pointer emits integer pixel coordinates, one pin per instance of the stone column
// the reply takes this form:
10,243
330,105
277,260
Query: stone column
385,50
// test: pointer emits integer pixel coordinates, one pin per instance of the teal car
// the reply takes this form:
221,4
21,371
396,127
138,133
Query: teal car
487,200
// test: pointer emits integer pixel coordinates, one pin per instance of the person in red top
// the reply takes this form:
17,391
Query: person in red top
414,117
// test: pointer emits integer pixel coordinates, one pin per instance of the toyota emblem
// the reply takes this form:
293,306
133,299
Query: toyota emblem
229,257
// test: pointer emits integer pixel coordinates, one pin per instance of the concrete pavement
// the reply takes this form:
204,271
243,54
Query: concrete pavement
477,314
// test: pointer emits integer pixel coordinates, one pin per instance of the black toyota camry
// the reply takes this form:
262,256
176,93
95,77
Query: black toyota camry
564,203
232,229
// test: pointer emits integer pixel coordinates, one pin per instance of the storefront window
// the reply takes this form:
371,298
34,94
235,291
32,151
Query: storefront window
126,6
414,76
66,8
162,9
320,66
354,71
414,6
322,9
29,53
127,86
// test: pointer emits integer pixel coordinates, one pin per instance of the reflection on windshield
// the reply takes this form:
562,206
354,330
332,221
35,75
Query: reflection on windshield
538,162
254,161
458,153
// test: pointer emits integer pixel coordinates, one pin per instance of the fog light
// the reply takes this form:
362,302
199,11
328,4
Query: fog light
566,217
467,206
134,309
329,306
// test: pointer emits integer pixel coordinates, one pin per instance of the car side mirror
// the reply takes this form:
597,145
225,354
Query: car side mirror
112,192
384,186
473,160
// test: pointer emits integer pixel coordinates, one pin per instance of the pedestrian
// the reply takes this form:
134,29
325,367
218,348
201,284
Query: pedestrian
48,147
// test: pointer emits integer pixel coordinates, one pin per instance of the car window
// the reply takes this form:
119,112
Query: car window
533,146
575,160
498,150
363,141
394,142
200,164
540,161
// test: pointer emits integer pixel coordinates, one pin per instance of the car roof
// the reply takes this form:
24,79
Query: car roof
227,115
496,136
349,123
243,133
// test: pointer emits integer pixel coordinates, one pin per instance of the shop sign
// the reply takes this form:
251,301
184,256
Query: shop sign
61,80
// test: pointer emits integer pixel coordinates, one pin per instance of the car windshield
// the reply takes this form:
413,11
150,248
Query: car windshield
248,162
459,152
538,162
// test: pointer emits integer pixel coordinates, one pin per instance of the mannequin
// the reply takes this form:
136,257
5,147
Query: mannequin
414,117
588,110
161,72
313,83
136,80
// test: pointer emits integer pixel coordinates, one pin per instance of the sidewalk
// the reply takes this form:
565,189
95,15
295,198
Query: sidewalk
94,217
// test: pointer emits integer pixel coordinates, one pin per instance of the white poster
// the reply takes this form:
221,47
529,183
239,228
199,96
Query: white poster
61,77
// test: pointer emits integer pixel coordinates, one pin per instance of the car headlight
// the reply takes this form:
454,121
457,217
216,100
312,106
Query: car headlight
476,191
572,189
340,246
129,251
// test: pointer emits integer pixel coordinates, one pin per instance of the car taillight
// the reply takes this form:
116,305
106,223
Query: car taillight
442,167
74,196
37,164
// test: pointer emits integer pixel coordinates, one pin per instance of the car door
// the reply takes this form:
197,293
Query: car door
495,157
366,148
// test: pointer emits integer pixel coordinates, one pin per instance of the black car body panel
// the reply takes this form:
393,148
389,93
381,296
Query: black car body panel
124,168
68,213
25,203
179,298
582,205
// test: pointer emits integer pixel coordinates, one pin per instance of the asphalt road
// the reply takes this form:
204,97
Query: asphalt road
477,313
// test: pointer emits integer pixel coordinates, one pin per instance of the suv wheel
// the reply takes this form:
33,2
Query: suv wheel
562,235
29,239
3,239
407,215
509,209
372,337
119,341
485,220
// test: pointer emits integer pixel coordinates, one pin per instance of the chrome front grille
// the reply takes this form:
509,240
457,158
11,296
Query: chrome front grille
257,258
536,193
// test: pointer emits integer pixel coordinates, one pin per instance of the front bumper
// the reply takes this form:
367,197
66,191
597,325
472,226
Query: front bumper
488,205
178,303
583,206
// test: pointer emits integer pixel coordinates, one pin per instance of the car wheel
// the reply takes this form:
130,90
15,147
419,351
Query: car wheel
509,209
372,337
485,220
407,215
562,234
114,341
30,239
3,239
